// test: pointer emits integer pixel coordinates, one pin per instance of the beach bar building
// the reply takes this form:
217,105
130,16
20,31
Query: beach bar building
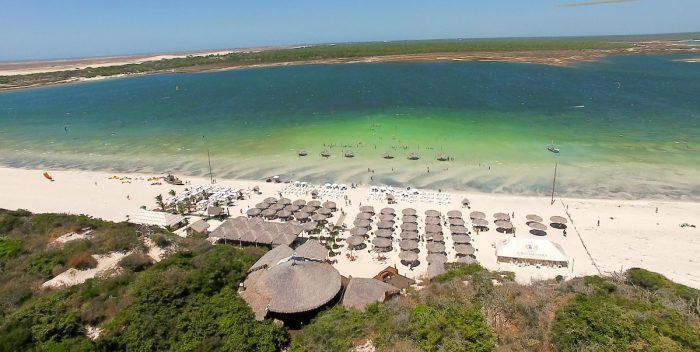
255,231
532,251
362,292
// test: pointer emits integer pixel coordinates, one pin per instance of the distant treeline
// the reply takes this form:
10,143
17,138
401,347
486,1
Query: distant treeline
317,52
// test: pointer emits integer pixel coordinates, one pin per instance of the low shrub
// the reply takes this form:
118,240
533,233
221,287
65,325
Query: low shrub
136,262
81,261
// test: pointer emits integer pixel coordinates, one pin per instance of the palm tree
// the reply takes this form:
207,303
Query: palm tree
172,192
159,201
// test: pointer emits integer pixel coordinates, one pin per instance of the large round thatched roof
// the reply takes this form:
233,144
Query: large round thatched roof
308,209
297,287
467,260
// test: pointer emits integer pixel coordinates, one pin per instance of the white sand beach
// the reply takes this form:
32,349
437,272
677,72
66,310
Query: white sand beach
640,233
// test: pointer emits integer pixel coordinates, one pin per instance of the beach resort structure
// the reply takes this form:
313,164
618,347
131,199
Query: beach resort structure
532,251
361,292
157,218
255,231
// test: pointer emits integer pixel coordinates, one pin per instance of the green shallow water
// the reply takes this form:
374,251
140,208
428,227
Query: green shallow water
627,126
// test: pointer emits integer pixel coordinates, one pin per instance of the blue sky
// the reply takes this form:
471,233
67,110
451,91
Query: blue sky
31,29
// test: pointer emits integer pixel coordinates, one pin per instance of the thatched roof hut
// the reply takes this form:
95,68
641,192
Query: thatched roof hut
199,227
276,207
503,224
256,231
291,287
273,257
362,292
312,250
284,214
215,211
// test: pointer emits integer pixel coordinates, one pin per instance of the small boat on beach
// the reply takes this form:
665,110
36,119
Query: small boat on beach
553,149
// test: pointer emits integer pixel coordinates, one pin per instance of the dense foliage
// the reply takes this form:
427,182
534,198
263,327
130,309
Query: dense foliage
319,52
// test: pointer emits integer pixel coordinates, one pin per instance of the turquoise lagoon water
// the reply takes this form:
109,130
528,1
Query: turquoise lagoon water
627,126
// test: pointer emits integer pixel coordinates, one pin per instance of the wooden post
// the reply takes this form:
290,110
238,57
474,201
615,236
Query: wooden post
554,181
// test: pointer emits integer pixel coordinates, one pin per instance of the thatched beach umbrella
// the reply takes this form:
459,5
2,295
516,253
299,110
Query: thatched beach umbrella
436,258
437,237
433,229
269,213
383,233
318,217
388,211
477,215
301,216
408,245
381,242
432,221
354,241
408,256
363,216
358,231
464,249
409,235
537,226
276,207
454,214
388,155
253,212
386,217
432,213
292,208
284,201
308,209
413,156
465,202
262,205
558,220
501,216
361,223
461,239
326,153
299,202
409,226
367,209
480,222
467,260
284,214
443,157
270,200
456,222
409,212
533,217
503,224
329,205
385,225
314,203
435,247
349,154
324,211
457,229
408,218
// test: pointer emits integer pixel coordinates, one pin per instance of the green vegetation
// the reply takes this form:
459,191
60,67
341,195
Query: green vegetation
318,52
188,301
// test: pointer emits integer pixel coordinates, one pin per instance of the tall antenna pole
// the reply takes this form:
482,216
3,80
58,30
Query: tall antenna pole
211,175
554,181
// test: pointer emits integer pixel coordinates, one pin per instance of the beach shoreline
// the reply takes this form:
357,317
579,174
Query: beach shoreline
605,236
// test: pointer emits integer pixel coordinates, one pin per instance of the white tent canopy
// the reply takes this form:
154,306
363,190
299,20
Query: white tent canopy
157,218
531,250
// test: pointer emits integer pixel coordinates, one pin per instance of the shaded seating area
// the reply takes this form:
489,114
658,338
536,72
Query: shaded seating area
531,251
255,231
361,292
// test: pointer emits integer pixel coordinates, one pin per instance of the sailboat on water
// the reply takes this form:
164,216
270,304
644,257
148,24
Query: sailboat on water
553,149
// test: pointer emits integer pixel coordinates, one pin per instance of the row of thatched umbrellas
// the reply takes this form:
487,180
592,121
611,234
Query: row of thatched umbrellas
363,223
312,212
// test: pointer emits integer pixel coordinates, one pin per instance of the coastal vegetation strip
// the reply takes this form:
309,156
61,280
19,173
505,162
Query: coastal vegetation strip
401,50
188,301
